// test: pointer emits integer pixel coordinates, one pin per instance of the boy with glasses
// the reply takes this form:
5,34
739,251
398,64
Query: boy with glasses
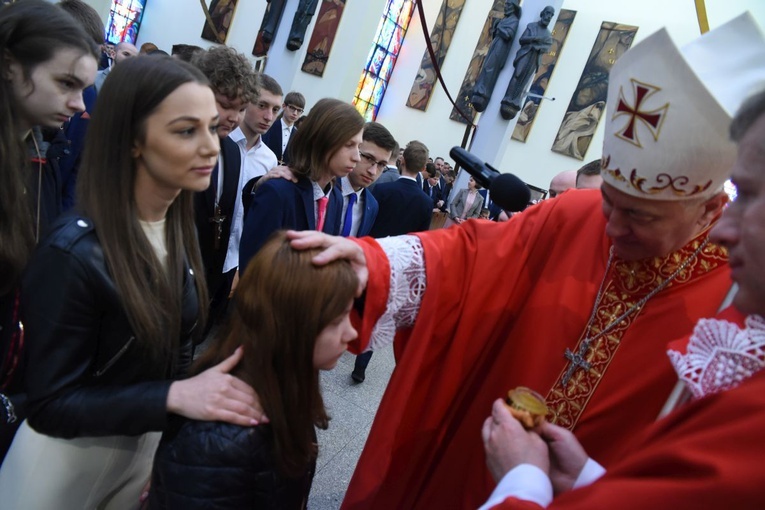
280,133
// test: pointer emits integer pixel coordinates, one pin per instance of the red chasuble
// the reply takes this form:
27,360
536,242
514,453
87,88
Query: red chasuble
503,303
706,455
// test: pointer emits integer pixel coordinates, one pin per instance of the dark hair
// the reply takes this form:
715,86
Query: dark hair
591,168
151,293
229,72
752,109
415,156
185,52
88,18
31,32
295,99
269,84
278,349
430,169
330,124
394,154
379,135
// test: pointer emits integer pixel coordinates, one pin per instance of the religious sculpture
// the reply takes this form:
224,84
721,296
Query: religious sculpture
303,15
535,41
271,20
503,32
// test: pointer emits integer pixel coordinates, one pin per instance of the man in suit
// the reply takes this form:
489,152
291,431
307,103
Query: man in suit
404,208
235,85
278,136
432,186
359,205
401,210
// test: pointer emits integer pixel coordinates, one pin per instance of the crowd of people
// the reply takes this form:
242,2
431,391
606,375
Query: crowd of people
196,205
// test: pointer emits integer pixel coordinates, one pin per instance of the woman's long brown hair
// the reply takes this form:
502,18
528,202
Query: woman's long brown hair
31,32
282,303
151,294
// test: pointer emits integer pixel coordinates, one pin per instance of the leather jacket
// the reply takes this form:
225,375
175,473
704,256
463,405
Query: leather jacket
86,373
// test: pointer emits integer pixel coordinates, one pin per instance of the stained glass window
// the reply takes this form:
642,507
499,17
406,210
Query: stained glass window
382,57
124,20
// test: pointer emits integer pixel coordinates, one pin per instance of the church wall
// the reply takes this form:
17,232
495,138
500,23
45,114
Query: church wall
167,22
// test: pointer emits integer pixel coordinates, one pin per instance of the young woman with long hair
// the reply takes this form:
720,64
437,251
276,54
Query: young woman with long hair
112,304
292,319
325,148
47,61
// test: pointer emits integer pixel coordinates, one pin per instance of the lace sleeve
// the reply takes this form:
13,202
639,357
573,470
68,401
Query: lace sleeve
407,285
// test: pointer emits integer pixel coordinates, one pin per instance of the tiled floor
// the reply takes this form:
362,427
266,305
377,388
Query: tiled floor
352,408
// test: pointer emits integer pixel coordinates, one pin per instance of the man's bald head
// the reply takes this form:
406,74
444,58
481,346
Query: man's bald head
562,182
124,50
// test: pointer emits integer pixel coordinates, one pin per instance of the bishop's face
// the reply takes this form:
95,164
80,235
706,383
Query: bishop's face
640,228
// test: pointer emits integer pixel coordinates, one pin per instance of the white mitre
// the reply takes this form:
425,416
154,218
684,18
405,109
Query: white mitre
669,110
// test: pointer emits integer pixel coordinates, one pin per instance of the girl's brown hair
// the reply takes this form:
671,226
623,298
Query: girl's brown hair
282,303
329,126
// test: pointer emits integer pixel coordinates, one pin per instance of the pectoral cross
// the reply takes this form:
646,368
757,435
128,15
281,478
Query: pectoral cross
577,361
217,221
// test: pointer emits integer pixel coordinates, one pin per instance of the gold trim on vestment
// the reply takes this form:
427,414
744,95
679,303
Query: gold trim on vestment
628,282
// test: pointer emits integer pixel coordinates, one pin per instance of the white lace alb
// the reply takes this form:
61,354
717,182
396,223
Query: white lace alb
407,286
720,355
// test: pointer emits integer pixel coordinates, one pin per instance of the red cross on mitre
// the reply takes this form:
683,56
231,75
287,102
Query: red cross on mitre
652,119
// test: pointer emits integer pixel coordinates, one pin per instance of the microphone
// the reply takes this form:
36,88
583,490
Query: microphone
507,190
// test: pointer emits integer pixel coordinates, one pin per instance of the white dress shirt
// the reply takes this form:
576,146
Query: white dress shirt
255,162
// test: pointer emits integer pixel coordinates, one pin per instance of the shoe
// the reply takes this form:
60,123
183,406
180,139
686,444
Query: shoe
358,376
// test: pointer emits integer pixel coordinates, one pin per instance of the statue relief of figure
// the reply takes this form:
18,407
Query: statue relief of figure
305,11
271,20
535,41
503,32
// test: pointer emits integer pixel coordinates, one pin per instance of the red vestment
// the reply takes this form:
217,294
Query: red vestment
502,304
706,455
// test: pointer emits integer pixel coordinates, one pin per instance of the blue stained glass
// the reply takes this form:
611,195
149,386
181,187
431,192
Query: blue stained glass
395,8
405,14
397,41
382,57
379,91
124,20
376,62
387,67
383,39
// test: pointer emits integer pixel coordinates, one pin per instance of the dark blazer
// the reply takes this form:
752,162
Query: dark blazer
433,192
204,209
214,465
404,208
282,204
273,139
368,215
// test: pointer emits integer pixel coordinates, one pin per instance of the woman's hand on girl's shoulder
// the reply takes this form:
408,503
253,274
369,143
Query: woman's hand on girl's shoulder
216,395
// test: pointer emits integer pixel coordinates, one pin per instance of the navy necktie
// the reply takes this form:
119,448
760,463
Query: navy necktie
349,215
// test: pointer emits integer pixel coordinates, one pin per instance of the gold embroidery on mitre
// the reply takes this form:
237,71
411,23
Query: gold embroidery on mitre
628,282
678,184
651,119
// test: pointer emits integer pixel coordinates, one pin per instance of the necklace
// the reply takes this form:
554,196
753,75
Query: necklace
578,359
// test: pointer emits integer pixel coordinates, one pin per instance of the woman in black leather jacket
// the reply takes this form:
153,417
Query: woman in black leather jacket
34,36
111,304
221,466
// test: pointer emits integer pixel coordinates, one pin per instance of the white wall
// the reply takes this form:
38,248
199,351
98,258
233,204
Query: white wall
167,22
